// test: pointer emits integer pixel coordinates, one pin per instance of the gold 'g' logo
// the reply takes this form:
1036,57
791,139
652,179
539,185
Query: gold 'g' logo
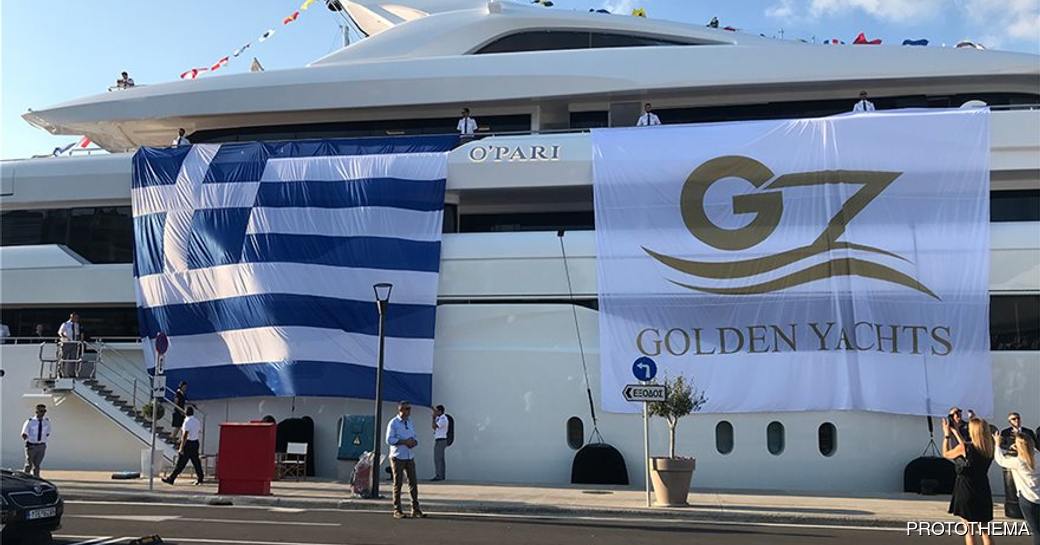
768,206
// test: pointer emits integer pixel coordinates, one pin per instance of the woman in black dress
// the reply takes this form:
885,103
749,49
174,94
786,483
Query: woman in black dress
972,498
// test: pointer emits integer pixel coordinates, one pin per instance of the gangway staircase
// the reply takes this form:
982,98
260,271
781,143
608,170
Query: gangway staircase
110,381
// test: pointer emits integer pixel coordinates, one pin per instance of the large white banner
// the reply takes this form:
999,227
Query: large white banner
818,264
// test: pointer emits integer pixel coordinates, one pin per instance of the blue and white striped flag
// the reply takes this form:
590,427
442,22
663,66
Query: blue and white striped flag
258,260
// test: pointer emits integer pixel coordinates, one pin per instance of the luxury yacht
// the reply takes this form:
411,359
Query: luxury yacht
517,308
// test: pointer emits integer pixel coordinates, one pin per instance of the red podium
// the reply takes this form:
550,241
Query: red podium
245,461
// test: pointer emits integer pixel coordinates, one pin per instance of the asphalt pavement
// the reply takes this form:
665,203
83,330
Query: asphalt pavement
112,523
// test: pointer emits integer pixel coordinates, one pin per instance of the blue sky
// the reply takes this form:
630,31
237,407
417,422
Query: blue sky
51,52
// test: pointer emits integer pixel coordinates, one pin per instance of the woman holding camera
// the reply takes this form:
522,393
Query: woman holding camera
972,498
1021,460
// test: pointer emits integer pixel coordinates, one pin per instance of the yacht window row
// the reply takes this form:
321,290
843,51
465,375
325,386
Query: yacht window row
559,40
1014,319
826,438
105,234
580,120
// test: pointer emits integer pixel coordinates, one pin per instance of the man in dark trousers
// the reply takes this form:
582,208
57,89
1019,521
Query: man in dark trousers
400,435
35,432
191,433
1007,442
440,441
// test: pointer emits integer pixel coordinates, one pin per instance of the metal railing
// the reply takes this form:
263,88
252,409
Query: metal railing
141,382
128,381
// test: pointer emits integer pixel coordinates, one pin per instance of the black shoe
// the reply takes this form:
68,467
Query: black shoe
198,483
167,481
417,514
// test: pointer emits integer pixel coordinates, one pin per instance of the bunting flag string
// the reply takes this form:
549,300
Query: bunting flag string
861,39
219,64
194,73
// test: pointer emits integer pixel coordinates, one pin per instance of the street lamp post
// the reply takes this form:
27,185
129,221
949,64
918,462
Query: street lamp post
382,291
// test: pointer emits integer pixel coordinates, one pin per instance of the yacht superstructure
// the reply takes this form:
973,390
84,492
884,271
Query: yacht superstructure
507,361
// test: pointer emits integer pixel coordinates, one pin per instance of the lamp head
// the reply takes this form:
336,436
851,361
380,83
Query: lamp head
383,290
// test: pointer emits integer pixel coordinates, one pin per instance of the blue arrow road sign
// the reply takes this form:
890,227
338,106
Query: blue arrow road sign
644,368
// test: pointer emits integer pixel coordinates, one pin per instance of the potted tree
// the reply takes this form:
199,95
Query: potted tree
672,475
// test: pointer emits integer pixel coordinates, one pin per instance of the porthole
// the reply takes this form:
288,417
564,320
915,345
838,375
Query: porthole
724,437
775,438
575,433
828,439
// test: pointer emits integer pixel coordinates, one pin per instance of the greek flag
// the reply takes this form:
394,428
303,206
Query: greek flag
257,260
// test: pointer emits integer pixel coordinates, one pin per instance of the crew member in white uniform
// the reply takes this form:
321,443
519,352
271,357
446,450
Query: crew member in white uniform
467,125
863,105
191,433
440,441
181,140
649,118
35,433
69,336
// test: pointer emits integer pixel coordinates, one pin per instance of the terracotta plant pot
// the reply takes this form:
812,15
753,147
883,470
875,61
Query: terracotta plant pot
671,478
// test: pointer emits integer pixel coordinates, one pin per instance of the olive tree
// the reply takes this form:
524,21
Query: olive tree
681,399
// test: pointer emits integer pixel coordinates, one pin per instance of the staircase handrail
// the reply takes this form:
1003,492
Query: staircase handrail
101,346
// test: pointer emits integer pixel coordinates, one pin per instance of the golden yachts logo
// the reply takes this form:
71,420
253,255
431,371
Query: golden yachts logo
768,206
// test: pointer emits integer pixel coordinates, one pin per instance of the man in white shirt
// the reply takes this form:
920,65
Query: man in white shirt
181,140
440,441
35,432
649,118
69,337
467,125
191,433
863,105
125,82
400,435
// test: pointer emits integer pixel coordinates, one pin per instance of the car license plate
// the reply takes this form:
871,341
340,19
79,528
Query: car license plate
41,513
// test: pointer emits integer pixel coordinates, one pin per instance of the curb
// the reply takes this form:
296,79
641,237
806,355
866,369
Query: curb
698,514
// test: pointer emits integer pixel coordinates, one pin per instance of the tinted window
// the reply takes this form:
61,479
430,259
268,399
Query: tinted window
1014,322
575,433
352,129
775,438
556,40
827,437
451,218
1021,205
95,322
100,235
724,437
545,221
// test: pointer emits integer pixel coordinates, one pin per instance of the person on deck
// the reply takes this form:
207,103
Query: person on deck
649,118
